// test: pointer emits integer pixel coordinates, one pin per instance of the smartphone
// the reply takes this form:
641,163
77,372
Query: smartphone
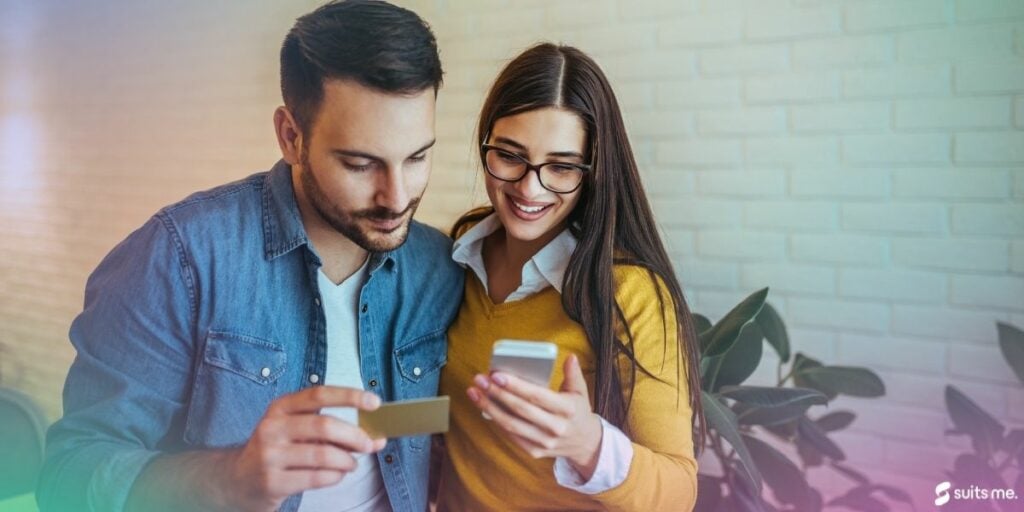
530,360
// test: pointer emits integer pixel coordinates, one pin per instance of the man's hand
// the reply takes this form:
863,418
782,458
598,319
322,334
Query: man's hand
292,449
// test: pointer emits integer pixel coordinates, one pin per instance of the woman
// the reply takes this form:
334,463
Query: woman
568,253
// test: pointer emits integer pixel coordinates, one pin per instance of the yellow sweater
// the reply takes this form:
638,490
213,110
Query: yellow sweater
486,471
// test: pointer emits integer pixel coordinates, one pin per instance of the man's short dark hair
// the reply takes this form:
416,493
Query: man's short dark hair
371,42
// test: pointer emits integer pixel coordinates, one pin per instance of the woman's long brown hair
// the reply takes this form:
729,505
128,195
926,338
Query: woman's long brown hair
613,221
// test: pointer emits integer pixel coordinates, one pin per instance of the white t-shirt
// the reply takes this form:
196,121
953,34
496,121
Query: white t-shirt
363,489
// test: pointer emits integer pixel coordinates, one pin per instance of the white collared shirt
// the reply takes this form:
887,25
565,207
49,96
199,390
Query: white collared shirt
547,268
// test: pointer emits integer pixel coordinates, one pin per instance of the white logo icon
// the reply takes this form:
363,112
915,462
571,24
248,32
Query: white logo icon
942,491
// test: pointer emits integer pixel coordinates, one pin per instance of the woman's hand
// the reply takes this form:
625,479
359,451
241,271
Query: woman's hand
545,423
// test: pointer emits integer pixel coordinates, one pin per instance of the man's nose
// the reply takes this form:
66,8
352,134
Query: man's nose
392,193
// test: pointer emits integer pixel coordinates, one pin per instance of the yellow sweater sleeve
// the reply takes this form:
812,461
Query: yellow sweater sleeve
663,472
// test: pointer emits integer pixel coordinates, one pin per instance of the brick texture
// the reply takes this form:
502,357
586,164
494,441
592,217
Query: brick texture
864,158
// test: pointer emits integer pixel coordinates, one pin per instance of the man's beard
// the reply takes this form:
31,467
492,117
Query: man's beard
347,222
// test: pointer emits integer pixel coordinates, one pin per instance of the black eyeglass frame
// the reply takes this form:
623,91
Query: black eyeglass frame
485,148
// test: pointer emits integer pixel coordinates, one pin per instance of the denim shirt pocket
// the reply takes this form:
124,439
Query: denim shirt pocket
236,380
419,364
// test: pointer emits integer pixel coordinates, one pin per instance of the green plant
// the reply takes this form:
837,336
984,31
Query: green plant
731,350
996,451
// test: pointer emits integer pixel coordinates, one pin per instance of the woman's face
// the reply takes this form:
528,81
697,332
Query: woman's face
528,211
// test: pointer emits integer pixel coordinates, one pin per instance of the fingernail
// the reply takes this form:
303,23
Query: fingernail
371,401
499,379
482,382
473,394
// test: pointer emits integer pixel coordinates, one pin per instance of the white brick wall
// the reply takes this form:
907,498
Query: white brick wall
864,158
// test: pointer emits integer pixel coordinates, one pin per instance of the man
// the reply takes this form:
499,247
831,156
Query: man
209,334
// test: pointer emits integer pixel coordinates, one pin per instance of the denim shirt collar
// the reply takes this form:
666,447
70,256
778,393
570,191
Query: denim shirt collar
283,230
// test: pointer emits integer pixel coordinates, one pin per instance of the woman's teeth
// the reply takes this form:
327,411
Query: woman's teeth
529,209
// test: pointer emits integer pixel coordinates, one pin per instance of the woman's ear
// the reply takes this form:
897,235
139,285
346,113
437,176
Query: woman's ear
289,136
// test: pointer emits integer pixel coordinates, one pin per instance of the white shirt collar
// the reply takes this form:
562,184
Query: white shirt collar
546,268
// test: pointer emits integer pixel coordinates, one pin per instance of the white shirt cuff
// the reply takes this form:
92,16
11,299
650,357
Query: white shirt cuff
616,454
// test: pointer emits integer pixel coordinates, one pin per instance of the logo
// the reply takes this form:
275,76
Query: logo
942,491
972,493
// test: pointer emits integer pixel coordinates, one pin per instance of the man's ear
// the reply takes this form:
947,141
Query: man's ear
289,136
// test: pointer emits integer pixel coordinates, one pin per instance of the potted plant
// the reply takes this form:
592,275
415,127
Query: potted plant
740,417
997,452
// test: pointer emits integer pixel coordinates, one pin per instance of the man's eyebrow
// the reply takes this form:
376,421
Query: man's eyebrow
356,154
509,142
368,156
424,147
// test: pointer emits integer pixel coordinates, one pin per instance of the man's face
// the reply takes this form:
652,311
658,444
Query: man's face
366,161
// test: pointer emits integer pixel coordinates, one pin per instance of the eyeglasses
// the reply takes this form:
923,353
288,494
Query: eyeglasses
558,177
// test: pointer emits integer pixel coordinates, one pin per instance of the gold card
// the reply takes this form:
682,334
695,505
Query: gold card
406,418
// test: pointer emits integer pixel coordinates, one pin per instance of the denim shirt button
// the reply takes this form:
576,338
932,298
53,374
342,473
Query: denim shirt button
416,371
373,383
265,372
364,308
314,378
316,300
389,459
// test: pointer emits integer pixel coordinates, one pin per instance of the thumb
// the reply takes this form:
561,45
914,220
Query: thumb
573,382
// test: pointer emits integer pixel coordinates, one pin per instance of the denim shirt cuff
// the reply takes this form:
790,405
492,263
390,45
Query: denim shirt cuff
114,478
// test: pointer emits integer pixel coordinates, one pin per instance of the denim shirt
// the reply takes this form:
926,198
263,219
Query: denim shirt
202,317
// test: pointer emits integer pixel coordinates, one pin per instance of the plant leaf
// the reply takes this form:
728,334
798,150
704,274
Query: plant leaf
809,431
736,365
744,495
785,431
859,498
703,327
802,362
709,492
894,493
767,396
774,330
700,323
816,502
721,419
780,474
846,380
970,469
809,455
769,416
1014,441
724,333
850,473
985,431
837,420
1011,343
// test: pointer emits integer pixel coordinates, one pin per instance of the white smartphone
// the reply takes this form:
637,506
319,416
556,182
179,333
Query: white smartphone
530,360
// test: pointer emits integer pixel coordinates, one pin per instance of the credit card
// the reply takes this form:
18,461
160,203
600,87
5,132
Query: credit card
406,418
